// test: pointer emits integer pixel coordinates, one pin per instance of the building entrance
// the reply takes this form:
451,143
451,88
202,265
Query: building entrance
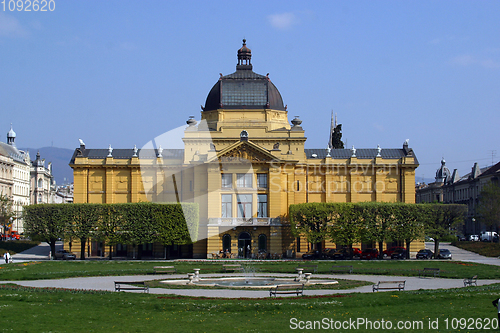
244,245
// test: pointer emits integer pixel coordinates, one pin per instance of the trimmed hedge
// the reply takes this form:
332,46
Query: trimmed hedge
129,223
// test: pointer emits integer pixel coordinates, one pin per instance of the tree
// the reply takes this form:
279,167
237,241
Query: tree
84,219
488,209
6,211
311,220
379,219
440,221
346,224
47,223
111,226
408,224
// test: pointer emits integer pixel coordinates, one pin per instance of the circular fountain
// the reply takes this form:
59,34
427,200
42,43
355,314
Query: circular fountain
249,280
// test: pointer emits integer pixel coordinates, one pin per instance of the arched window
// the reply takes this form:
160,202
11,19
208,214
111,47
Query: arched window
226,243
40,182
262,243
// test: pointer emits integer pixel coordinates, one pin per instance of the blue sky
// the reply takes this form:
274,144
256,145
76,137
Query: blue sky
124,72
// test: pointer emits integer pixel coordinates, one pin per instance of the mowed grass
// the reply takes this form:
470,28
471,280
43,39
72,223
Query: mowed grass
53,310
487,249
77,268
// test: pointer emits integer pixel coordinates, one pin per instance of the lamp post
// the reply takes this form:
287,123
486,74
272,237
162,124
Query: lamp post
473,226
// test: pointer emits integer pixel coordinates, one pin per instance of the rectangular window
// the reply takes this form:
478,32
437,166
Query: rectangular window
245,205
262,180
262,205
227,180
227,204
244,180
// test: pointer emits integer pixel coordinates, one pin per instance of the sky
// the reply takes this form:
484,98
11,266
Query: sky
124,72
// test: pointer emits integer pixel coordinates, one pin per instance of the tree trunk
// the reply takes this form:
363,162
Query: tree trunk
436,248
110,252
53,247
381,250
408,242
83,241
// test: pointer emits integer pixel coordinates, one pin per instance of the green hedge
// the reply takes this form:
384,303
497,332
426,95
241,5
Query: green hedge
130,223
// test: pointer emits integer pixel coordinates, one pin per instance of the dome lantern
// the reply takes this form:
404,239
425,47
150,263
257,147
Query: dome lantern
244,57
11,137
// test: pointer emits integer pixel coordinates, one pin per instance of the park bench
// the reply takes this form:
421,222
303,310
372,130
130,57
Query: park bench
309,268
287,289
428,271
234,268
131,285
389,285
471,281
342,269
164,269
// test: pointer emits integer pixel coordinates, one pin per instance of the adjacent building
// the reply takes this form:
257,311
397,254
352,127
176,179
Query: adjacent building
17,175
244,163
449,187
43,187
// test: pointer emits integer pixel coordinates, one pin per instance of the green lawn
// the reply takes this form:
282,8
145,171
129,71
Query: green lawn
44,310
62,269
56,310
488,249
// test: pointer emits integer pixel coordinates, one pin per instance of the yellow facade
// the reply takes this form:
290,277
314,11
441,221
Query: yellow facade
244,166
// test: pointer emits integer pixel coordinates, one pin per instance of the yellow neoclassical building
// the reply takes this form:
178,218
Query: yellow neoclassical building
244,163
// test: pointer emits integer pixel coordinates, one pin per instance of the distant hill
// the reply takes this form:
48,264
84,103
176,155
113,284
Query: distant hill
59,157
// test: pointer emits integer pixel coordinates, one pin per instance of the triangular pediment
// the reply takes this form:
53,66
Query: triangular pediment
244,151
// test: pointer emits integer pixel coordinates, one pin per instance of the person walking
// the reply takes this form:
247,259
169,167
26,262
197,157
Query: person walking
7,257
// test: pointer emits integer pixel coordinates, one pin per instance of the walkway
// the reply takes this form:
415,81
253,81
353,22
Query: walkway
37,253
107,282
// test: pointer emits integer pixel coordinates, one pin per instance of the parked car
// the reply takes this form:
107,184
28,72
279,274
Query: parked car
473,238
444,254
311,255
461,238
425,254
399,254
328,253
356,253
369,254
389,251
65,255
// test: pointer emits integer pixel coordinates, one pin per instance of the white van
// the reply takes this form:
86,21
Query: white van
487,236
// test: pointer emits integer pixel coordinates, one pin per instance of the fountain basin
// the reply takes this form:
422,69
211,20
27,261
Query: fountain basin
242,282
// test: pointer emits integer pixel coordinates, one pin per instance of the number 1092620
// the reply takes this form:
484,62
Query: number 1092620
28,5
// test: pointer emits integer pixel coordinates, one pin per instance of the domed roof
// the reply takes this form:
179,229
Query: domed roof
244,89
11,133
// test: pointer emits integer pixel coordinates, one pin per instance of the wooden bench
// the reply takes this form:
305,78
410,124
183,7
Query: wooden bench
233,268
131,285
389,285
310,268
428,271
287,289
165,269
342,269
471,281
